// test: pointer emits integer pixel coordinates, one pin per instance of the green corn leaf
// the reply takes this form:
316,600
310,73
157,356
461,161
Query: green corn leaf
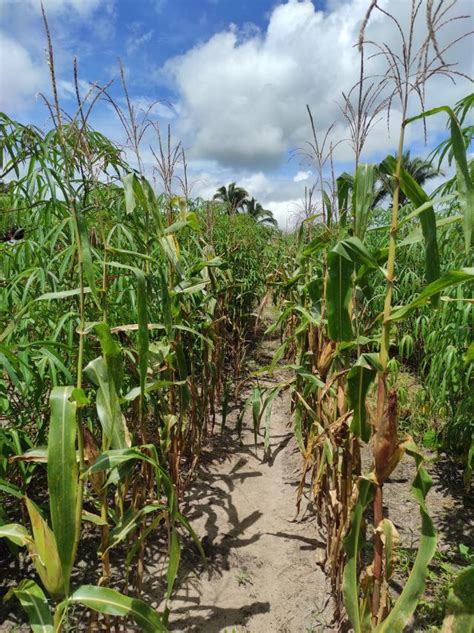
63,482
460,604
344,184
297,429
128,182
354,250
112,353
111,602
173,563
311,379
10,489
359,380
464,181
256,399
184,522
362,198
406,604
352,545
15,533
34,602
416,235
450,279
90,517
117,457
142,318
131,521
328,207
85,254
152,386
134,254
268,407
143,338
108,404
428,204
416,194
338,297
190,287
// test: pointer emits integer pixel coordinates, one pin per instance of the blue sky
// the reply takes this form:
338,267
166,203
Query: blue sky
232,79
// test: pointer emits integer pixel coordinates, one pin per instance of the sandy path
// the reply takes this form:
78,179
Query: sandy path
262,575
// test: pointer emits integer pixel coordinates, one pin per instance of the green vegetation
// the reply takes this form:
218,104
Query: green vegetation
126,316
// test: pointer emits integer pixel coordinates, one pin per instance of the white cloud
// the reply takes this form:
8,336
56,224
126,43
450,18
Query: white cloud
23,64
21,77
244,95
137,38
301,175
81,7
286,212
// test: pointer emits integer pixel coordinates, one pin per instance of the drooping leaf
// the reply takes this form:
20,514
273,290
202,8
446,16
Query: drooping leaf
108,404
416,194
111,602
464,181
389,536
117,457
34,602
112,353
354,250
451,278
15,533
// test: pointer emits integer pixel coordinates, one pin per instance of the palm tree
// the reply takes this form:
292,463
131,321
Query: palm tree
420,169
258,213
232,196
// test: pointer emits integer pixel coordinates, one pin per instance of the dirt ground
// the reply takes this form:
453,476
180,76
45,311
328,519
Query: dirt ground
262,574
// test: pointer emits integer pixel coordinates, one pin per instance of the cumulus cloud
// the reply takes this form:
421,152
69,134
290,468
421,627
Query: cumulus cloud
81,7
23,67
244,94
301,175
21,77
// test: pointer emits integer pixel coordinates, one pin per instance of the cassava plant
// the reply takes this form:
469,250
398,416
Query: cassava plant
122,318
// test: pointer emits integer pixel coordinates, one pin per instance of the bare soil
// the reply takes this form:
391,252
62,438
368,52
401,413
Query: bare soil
262,575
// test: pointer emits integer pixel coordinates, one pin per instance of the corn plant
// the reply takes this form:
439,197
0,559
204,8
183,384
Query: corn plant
338,353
